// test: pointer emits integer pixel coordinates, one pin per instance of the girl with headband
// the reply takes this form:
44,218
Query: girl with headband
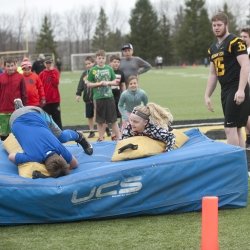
152,121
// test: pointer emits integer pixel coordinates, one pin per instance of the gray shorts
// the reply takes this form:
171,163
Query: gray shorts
106,110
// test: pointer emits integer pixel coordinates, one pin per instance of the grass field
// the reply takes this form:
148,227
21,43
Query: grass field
182,90
175,232
179,89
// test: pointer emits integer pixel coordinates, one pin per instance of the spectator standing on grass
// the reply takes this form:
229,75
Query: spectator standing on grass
229,64
12,86
114,62
34,86
87,95
132,65
206,62
38,65
159,62
100,78
130,98
50,78
245,36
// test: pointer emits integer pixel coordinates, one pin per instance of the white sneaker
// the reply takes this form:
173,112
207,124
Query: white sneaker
18,103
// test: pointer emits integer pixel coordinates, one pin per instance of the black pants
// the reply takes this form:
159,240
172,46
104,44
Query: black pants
54,110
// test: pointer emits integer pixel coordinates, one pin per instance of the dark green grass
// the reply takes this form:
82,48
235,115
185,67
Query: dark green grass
179,89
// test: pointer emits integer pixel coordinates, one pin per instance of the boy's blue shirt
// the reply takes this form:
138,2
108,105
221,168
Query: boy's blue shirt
36,139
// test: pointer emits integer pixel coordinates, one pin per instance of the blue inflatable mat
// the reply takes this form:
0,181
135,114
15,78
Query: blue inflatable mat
169,182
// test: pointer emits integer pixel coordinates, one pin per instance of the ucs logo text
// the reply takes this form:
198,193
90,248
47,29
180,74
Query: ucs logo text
116,188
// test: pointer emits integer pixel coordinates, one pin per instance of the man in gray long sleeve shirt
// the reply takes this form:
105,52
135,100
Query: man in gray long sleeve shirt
132,65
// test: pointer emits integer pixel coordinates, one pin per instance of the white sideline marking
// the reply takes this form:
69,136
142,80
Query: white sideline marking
203,76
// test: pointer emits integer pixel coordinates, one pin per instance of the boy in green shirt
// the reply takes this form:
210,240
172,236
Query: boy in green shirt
101,77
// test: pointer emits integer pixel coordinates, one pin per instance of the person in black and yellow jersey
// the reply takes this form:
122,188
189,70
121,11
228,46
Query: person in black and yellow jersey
245,36
229,64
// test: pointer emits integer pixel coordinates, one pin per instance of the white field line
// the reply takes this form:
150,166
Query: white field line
181,74
170,73
68,81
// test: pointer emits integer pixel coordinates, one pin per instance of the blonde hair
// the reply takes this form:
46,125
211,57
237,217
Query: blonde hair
158,115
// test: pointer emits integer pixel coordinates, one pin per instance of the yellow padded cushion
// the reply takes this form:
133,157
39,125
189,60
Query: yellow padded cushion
180,138
146,146
11,145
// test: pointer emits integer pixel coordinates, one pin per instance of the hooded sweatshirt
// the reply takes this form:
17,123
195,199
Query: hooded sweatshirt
34,88
130,99
11,87
50,80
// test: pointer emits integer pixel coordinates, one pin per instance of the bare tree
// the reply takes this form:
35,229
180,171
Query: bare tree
21,30
240,9
56,23
88,23
68,37
168,8
6,32
117,19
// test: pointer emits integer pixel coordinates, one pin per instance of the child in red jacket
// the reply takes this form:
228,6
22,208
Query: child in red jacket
34,86
12,86
50,78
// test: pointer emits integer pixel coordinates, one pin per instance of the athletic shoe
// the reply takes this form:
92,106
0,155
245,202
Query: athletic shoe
108,132
18,103
247,146
113,138
37,174
87,147
91,134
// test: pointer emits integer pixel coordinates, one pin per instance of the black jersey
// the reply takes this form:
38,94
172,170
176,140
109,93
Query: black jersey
224,58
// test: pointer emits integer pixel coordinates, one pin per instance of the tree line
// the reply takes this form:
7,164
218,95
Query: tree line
181,37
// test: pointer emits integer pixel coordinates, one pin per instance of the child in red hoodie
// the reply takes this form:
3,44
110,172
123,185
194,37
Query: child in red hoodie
34,86
12,86
50,78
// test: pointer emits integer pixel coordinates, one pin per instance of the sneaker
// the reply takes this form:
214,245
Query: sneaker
87,147
108,132
247,145
113,138
91,134
18,103
37,174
